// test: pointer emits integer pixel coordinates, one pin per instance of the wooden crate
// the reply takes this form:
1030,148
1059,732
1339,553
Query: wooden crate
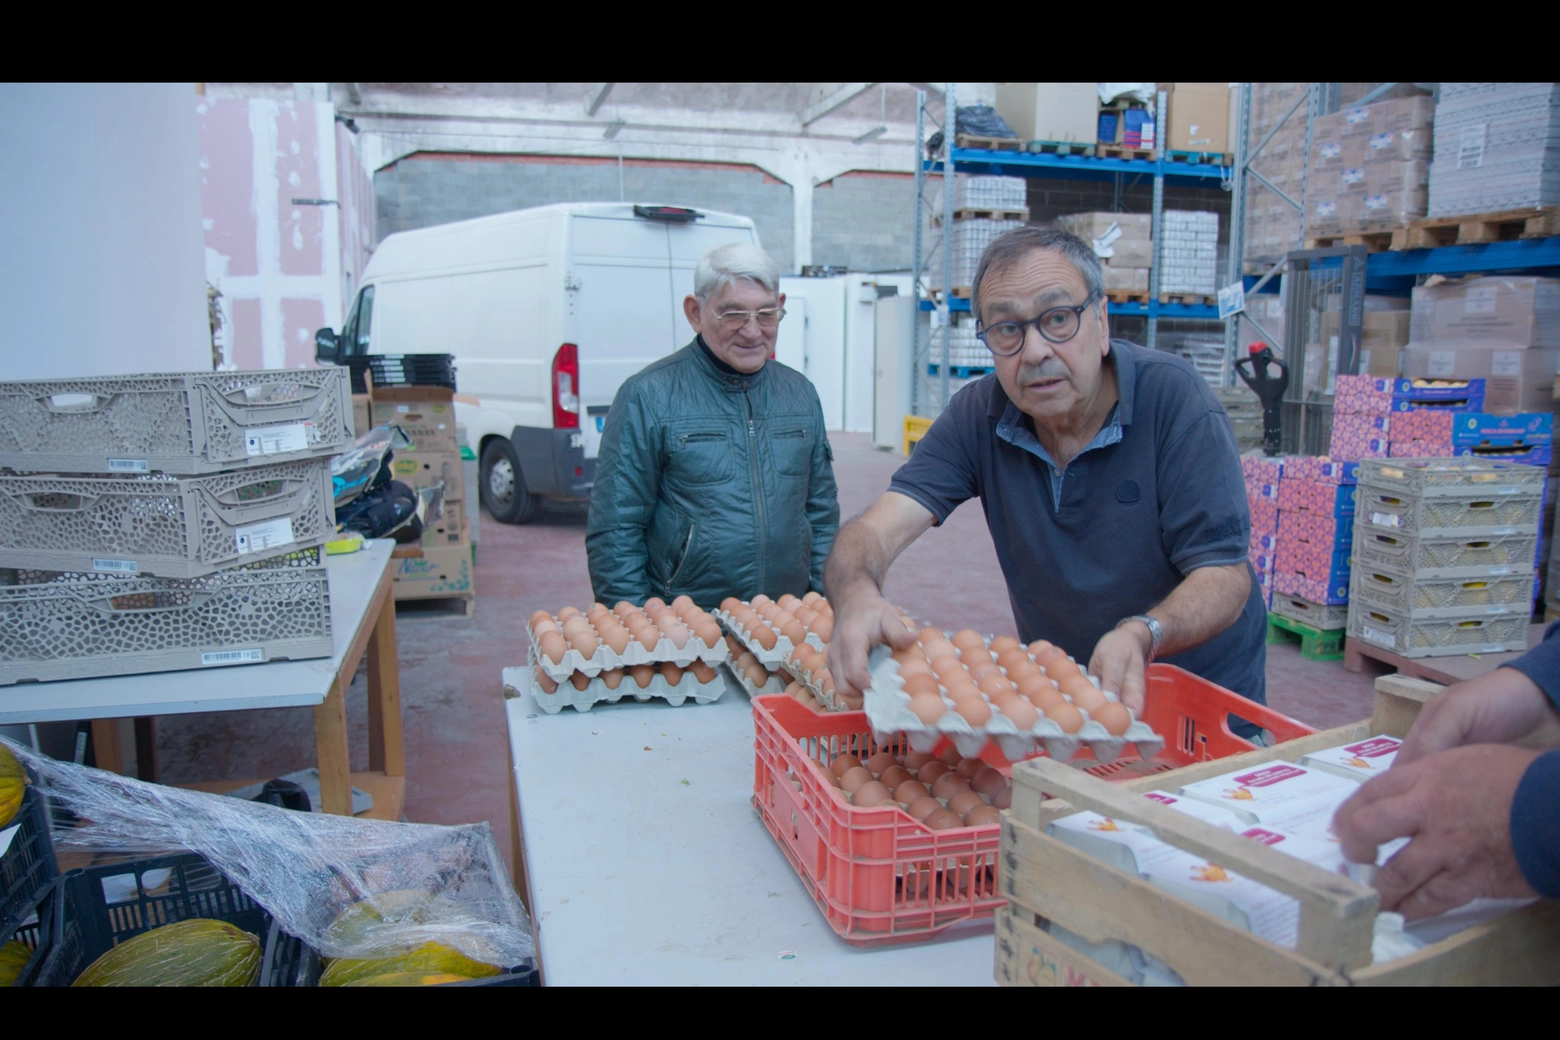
1043,878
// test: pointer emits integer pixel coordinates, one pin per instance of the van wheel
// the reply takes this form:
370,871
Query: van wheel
503,487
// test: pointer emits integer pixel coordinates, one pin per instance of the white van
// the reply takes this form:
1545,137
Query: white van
547,311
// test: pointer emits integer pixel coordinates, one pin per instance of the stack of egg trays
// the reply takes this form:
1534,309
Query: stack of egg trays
524,680
606,659
776,683
888,710
1440,555
805,677
773,658
140,518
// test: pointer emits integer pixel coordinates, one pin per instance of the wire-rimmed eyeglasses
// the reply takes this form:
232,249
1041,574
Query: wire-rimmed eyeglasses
768,318
1058,325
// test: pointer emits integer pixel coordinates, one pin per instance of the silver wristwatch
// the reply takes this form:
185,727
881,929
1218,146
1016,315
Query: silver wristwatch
1155,633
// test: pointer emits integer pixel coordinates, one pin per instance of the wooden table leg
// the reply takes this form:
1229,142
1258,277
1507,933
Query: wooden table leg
146,749
330,743
106,750
516,844
385,748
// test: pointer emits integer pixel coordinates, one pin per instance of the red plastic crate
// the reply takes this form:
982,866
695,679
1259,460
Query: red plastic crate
881,877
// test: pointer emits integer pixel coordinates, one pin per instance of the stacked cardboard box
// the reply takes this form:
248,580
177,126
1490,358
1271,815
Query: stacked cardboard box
1503,329
1316,517
1189,252
1263,475
1050,111
1199,117
1272,225
440,565
1122,242
1497,147
1441,551
1369,167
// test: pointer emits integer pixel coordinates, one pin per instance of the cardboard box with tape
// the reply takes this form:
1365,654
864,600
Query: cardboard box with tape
1050,111
426,413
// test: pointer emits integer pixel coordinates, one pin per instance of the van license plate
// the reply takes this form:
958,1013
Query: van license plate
595,422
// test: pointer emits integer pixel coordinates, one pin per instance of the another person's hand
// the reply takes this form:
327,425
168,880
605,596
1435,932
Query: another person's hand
1120,661
1455,806
1503,707
862,621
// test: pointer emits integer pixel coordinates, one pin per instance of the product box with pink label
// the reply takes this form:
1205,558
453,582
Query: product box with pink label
1356,436
1311,496
1323,470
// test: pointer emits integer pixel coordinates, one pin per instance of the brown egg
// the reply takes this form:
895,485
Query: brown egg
968,767
980,669
1113,716
616,637
671,673
1014,657
596,612
585,642
682,604
654,603
1001,644
781,617
921,684
794,632
623,609
702,672
575,624
923,807
988,781
823,628
765,636
642,674
1023,713
822,679
916,759
553,646
879,762
853,778
538,616
949,756
907,791
545,682
928,707
756,674
678,634
840,766
932,771
1033,687
948,785
910,668
812,598
708,633
580,680
929,635
612,678
872,793
960,685
648,636
759,601
566,613
730,604
544,627
895,775
795,691
939,648
852,701
943,820
788,602
1084,694
967,639
974,710
982,816
1065,716
964,801
805,615
945,667
1003,799
995,685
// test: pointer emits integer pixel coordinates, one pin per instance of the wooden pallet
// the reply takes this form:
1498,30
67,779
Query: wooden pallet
991,214
1047,880
1126,296
990,144
1445,670
1378,241
1539,222
1315,644
1189,299
1061,148
1116,151
1200,158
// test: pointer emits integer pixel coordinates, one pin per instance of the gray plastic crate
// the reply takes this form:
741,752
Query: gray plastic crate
1471,553
1437,637
1319,616
1443,597
170,527
182,423
56,625
1450,510
1419,477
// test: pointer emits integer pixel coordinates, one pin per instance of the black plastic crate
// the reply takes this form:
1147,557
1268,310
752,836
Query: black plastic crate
28,867
401,370
37,932
307,969
86,925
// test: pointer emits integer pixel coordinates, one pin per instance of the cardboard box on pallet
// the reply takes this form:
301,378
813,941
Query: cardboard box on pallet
1493,309
1199,117
448,528
1050,111
1515,379
362,414
432,572
426,413
426,469
1125,279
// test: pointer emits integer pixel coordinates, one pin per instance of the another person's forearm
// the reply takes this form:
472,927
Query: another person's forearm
1207,602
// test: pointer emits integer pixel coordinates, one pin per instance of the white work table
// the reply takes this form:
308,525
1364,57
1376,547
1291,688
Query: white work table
362,618
646,863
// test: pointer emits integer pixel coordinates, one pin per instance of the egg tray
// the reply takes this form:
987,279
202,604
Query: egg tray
805,677
605,658
523,680
888,710
774,685
770,659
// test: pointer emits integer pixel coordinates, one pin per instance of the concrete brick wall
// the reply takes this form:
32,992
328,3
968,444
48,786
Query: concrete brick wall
864,221
427,189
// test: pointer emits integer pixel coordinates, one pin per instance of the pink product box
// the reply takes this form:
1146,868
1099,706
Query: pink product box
1256,492
1423,425
1358,437
1316,528
1313,496
1361,395
1264,516
1421,449
1324,592
1260,469
1263,563
1322,469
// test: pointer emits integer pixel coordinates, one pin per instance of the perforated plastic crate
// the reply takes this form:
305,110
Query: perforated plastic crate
1514,509
183,423
1443,597
170,527
1321,616
1471,553
57,625
1430,476
1438,637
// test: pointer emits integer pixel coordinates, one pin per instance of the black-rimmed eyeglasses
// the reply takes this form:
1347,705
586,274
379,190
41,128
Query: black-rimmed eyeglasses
1058,325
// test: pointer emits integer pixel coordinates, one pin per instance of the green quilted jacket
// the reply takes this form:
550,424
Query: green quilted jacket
711,485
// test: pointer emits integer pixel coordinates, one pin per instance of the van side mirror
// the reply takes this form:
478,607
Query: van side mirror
326,349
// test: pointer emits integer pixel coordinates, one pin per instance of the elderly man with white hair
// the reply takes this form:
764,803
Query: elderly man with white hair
715,478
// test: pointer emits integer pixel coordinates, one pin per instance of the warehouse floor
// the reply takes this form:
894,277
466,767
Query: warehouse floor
452,707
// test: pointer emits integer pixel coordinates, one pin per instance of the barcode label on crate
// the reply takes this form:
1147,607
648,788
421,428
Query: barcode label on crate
116,566
128,466
1379,638
1470,147
233,657
1386,520
275,440
260,537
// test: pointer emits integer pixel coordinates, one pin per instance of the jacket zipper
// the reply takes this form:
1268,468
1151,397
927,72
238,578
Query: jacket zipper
687,550
758,490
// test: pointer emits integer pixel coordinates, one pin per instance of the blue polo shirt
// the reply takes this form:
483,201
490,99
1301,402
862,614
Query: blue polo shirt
1155,495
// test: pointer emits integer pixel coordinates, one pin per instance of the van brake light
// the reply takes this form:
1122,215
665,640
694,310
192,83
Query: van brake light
566,387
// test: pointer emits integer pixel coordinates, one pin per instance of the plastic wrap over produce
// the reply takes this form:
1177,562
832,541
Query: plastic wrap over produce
347,887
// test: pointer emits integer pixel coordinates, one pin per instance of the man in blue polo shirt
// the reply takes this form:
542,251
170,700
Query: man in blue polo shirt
1110,481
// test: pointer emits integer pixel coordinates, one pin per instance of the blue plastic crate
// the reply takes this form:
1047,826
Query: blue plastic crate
1482,428
1107,128
1529,455
1466,395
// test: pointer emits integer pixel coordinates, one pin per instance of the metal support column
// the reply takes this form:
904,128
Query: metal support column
950,132
918,289
1156,226
1241,135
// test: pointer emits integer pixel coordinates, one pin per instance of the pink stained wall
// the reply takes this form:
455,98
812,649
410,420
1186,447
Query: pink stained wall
299,320
301,227
227,182
244,317
355,190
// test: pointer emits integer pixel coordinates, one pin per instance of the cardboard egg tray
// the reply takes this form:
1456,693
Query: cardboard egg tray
770,659
605,658
888,710
805,677
776,683
523,680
